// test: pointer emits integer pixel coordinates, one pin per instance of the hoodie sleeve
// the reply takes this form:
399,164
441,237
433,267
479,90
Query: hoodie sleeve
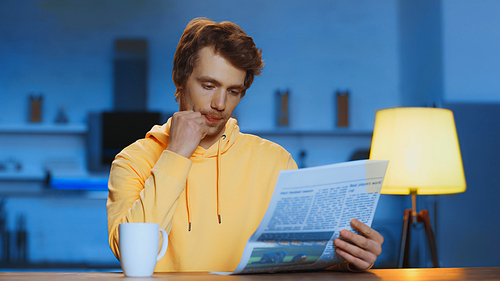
139,193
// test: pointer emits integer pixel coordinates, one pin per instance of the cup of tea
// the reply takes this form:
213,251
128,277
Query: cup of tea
139,244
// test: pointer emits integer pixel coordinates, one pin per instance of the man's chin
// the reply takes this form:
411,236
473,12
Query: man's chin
216,129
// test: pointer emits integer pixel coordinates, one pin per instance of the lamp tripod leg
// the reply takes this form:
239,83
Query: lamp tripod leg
424,218
404,247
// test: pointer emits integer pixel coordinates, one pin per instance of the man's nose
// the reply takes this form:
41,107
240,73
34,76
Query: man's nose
219,100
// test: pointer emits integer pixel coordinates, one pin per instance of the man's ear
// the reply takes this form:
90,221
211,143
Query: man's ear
178,93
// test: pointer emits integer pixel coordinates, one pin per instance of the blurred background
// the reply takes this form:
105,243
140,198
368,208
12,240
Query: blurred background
71,68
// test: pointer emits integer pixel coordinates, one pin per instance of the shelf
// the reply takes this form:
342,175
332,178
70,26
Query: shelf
37,184
34,128
22,176
74,183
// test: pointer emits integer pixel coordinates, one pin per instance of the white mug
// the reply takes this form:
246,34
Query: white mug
139,248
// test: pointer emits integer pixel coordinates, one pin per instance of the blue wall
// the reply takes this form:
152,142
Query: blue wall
420,56
387,53
65,50
471,40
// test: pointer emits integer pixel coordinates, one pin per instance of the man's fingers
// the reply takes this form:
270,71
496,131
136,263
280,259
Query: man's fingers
367,231
203,126
352,260
203,135
365,243
186,117
364,247
356,250
186,131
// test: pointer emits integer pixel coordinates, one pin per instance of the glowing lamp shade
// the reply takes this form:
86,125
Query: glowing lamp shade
422,147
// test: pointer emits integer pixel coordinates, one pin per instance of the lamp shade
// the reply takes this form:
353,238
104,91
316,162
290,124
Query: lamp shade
422,147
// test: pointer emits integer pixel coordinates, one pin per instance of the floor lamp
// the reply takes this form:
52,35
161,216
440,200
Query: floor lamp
422,147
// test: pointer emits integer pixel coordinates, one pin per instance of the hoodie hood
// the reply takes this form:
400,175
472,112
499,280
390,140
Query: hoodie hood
217,150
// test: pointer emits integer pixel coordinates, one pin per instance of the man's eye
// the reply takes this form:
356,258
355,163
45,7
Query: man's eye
235,92
208,87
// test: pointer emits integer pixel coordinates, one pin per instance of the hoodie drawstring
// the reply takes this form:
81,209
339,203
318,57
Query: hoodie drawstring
223,137
187,207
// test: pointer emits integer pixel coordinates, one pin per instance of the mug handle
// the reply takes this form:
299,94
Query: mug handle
164,245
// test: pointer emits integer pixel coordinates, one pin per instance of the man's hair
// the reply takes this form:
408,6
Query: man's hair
228,41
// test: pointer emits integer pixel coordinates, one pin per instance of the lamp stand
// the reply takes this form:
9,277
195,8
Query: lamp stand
410,216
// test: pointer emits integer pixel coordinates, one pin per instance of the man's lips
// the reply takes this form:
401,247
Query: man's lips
212,119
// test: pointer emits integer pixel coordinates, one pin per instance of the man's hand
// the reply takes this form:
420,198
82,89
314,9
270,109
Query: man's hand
365,248
187,129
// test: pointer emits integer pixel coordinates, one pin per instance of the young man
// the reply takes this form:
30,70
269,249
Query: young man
204,182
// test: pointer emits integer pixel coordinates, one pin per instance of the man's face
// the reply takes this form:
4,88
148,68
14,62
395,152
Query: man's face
214,89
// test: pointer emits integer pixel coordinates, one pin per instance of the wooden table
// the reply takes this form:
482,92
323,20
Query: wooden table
420,274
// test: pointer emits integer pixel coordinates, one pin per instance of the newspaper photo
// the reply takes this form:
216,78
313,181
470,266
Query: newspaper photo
308,210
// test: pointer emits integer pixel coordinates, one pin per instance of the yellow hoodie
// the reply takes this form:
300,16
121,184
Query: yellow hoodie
209,204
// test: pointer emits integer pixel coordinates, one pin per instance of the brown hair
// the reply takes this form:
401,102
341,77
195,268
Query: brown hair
228,41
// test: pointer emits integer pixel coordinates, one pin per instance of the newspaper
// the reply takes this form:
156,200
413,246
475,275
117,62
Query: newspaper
308,209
